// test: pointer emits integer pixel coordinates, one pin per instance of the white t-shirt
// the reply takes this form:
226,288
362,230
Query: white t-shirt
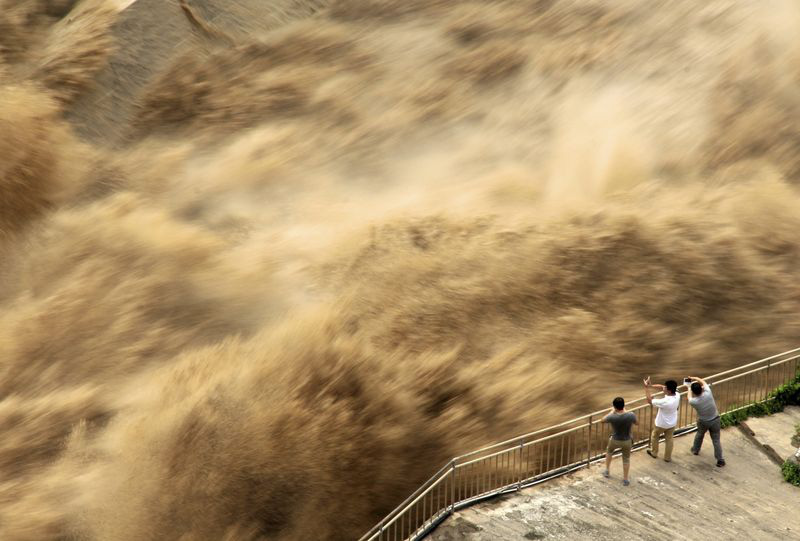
667,411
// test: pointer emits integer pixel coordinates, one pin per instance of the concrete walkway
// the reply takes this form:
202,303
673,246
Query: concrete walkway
689,497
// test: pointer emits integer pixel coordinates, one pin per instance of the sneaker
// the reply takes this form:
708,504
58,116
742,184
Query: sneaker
667,460
605,474
649,452
625,482
720,463
695,452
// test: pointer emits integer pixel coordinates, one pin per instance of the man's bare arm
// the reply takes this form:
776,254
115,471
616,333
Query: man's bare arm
699,380
647,390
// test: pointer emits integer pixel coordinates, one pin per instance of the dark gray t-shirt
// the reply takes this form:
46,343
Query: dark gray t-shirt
621,423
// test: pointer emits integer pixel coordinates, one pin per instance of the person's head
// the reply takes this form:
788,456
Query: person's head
697,389
619,403
671,385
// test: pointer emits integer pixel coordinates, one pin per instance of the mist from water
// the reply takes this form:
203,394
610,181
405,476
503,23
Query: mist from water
310,258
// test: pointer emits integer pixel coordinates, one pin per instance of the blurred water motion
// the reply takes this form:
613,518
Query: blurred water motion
265,268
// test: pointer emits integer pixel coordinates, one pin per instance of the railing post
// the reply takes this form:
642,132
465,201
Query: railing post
453,488
785,363
519,479
766,391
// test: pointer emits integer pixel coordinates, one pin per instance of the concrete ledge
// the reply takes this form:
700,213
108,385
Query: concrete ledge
747,499
764,448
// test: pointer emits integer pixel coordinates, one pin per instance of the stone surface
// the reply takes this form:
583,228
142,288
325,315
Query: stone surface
777,430
747,499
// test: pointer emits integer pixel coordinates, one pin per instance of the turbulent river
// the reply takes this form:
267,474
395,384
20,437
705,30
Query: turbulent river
266,266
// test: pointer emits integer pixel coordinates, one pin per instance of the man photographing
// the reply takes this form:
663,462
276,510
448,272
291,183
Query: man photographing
708,419
667,416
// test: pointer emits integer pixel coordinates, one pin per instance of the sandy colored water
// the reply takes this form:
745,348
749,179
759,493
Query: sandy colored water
266,266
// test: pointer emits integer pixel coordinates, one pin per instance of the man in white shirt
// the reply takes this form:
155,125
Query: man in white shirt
667,416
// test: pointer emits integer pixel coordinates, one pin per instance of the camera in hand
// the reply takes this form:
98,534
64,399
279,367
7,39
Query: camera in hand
687,381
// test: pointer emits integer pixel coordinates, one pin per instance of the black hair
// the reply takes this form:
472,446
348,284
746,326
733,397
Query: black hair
697,389
671,385
619,403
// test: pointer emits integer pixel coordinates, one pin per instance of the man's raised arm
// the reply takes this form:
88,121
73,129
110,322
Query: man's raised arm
700,381
647,390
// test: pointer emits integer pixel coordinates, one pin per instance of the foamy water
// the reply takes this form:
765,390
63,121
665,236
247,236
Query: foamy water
122,4
265,269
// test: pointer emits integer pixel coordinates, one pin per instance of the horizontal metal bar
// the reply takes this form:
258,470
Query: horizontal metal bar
485,496
524,436
737,376
432,526
487,457
527,440
551,436
412,503
749,404
546,476
511,448
765,359
432,481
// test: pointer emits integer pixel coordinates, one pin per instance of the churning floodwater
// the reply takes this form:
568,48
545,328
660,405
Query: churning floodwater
265,267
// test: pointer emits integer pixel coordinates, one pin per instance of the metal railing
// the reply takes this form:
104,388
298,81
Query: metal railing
534,457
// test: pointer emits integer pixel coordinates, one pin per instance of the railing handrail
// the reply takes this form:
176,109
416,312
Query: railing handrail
631,403
528,439
432,480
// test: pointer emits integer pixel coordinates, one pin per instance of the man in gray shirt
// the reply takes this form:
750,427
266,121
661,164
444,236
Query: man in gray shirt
621,422
708,419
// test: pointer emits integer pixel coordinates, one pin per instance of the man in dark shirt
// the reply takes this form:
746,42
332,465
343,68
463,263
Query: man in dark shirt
621,422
